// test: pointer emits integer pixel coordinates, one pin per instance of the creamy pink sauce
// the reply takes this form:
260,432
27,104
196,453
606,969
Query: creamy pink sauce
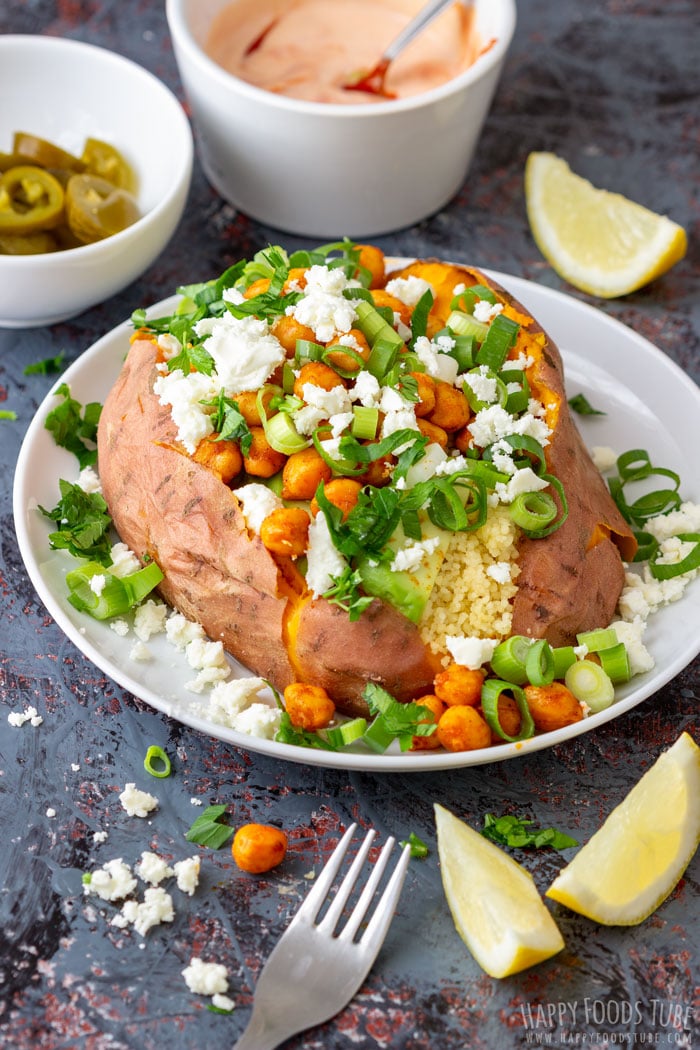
309,49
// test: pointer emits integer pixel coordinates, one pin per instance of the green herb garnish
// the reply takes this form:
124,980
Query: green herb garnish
579,403
8,413
209,829
48,366
83,523
74,427
520,834
419,849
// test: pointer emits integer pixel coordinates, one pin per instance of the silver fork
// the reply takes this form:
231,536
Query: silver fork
313,972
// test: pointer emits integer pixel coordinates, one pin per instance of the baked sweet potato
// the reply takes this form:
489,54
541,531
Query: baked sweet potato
169,503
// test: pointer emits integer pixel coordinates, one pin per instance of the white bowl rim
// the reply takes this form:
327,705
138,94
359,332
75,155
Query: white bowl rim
484,62
185,153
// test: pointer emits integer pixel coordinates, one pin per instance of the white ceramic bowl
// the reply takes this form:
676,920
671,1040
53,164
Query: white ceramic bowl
67,91
327,170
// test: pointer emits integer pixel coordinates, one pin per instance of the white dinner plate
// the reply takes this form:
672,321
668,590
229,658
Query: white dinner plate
648,403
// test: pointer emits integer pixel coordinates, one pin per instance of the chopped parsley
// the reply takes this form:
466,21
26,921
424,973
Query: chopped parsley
209,828
521,834
74,427
83,524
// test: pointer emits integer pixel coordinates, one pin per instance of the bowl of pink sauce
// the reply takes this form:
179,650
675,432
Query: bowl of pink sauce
283,140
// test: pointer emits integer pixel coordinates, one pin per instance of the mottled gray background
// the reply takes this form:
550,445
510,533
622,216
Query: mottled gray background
613,87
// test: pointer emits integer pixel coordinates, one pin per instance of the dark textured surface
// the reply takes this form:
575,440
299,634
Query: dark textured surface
613,87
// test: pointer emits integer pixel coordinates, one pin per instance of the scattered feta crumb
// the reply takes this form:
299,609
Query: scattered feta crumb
604,457
196,802
140,653
75,767
206,978
20,718
155,908
187,874
500,571
470,652
113,881
137,803
485,311
631,633
149,619
100,837
50,812
222,1002
89,481
120,627
152,868
409,290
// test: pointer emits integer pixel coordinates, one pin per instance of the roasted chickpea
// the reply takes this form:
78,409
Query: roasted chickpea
318,374
287,329
426,393
433,433
463,440
286,531
222,458
342,493
458,684
436,708
308,706
451,411
303,473
552,706
247,402
379,472
262,460
257,288
372,258
296,278
258,847
462,728
357,343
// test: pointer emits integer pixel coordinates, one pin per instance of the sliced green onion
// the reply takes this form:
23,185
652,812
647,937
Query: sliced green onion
282,435
465,324
382,357
349,351
602,638
418,848
564,656
378,735
419,317
590,685
540,663
347,733
490,695
288,377
533,511
117,596
663,571
615,662
308,350
634,466
157,762
364,423
374,325
475,403
467,299
509,659
501,336
517,400
340,465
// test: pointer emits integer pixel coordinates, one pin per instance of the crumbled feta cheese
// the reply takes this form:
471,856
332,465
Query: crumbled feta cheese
409,557
149,619
502,457
112,882
524,480
180,631
500,571
257,501
120,627
320,404
435,359
155,908
228,699
89,481
187,874
630,634
409,290
604,457
185,394
470,652
20,718
399,414
98,583
137,803
99,837
366,390
323,560
258,720
245,352
222,1002
124,561
169,345
685,519
493,423
50,812
206,978
152,868
323,307
485,311
483,385
140,653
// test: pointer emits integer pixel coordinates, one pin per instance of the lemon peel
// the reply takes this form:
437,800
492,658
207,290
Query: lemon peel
598,241
494,902
634,861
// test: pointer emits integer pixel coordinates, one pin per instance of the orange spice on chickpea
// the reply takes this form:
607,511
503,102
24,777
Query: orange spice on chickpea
257,848
308,706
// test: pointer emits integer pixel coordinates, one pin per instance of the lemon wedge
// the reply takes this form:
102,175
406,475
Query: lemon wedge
598,241
635,859
495,904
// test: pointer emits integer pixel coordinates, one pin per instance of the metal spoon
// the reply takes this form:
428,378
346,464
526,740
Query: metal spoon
373,81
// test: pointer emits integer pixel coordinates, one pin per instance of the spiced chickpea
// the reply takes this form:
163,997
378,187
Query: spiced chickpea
552,706
379,471
258,847
308,706
463,440
247,402
458,684
285,531
433,432
384,298
372,259
287,330
451,411
462,728
296,279
342,493
303,473
262,460
318,374
222,458
257,288
426,393
436,707
355,341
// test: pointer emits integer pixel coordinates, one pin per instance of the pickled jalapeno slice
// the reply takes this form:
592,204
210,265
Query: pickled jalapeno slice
31,200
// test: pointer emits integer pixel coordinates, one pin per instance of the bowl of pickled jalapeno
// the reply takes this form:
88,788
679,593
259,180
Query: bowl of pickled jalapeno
94,175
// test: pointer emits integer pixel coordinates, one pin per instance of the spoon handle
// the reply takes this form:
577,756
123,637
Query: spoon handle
426,15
